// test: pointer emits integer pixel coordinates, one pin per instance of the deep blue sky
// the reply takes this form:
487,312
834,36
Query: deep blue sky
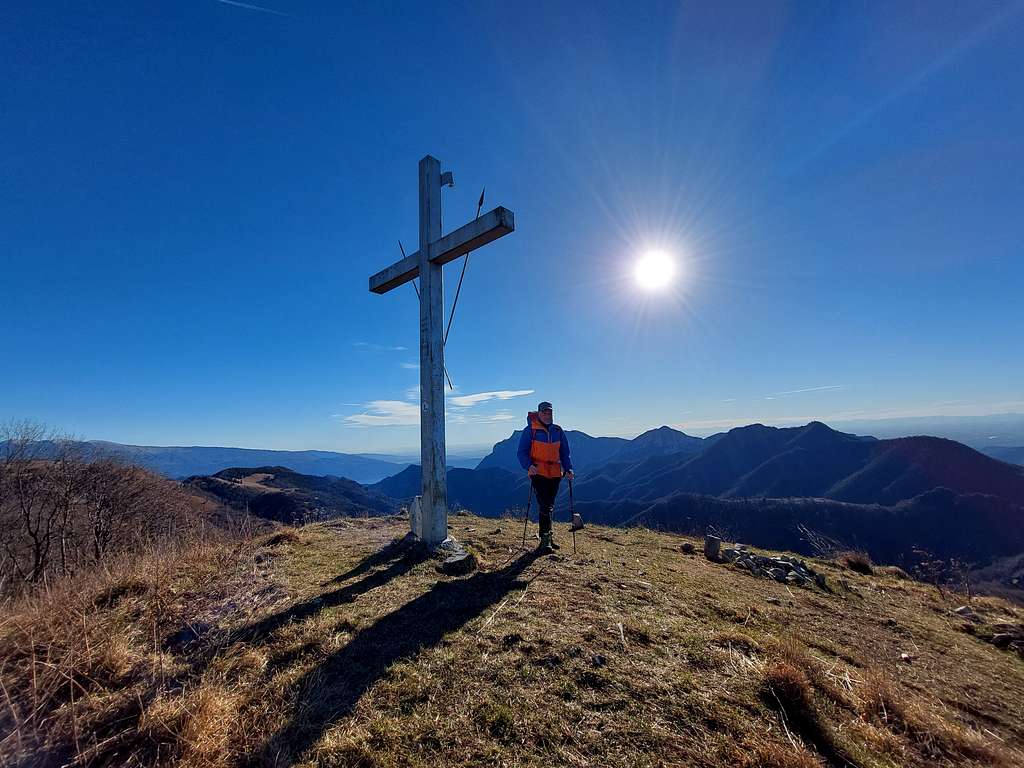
193,194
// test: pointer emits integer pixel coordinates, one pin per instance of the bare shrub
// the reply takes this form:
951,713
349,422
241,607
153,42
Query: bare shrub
896,572
62,511
30,501
284,536
821,544
855,561
722,531
943,574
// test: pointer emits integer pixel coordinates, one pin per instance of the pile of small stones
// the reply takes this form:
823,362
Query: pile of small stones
782,568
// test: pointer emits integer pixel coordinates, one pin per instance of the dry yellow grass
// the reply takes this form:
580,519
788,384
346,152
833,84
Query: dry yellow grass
334,645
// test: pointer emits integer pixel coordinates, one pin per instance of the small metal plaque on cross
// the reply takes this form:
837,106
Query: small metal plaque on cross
434,252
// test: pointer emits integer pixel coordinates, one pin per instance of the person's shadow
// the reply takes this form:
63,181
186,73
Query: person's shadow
332,689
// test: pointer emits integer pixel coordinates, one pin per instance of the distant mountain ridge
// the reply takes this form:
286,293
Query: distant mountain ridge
179,462
489,491
766,485
278,493
813,461
588,451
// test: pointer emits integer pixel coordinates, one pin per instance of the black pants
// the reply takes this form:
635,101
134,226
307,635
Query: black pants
546,489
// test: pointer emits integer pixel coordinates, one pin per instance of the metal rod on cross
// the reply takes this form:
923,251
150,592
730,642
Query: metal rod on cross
458,288
435,251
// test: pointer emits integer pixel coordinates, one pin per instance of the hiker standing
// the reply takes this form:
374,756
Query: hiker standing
544,454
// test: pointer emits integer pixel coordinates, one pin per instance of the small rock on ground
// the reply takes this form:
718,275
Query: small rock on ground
459,564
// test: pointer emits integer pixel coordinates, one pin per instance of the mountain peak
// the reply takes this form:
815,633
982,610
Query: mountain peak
664,429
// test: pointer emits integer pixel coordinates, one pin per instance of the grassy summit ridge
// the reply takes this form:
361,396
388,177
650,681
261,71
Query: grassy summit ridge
336,644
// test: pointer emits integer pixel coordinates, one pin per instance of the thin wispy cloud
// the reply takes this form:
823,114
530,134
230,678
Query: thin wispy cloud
960,409
369,345
251,7
386,413
413,392
839,417
494,418
801,391
478,418
406,413
401,413
468,401
789,392
410,366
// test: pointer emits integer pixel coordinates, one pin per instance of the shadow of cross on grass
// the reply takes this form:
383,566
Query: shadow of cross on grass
331,690
401,557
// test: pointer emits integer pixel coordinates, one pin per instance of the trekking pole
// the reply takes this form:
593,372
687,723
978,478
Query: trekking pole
572,512
526,517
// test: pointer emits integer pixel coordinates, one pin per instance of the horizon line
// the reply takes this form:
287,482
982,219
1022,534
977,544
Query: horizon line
708,426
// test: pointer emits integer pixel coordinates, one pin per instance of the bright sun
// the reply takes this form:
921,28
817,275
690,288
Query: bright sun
655,270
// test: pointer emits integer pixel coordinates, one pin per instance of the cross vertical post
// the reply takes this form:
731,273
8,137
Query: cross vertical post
434,502
436,250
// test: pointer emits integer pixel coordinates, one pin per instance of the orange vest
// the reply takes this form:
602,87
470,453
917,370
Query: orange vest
542,453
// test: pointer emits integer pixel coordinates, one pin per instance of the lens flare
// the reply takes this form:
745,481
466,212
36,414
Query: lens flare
654,271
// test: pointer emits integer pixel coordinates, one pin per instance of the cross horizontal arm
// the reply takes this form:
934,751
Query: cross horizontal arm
398,273
479,232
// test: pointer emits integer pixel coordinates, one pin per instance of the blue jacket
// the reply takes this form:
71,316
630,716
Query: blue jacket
554,434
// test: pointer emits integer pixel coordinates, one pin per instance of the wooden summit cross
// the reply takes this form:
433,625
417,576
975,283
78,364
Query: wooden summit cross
436,251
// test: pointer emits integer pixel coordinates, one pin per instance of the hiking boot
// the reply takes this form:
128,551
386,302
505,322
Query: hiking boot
546,544
553,544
